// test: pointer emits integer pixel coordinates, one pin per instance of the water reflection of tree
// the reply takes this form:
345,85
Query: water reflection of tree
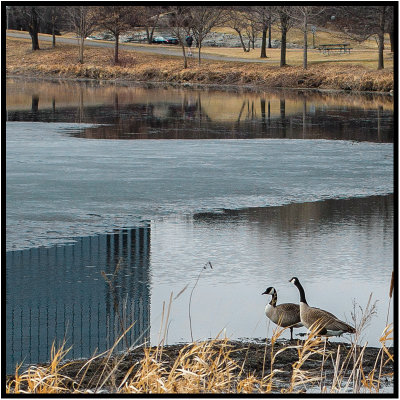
265,122
81,107
258,116
35,107
297,216
304,116
66,93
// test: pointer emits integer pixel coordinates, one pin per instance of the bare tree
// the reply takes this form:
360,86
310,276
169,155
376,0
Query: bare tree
203,19
389,28
83,23
381,35
52,20
251,32
116,20
43,19
30,16
361,22
285,22
269,31
150,16
238,21
304,15
262,15
179,25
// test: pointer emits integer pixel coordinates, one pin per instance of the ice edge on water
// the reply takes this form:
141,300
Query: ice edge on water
64,225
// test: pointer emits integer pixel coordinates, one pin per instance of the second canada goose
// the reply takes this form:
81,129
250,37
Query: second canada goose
285,315
329,324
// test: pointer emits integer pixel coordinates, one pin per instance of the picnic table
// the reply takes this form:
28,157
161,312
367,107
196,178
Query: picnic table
341,47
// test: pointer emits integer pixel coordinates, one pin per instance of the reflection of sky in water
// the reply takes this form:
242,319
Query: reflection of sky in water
335,251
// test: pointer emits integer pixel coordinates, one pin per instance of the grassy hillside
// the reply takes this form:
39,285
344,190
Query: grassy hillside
348,74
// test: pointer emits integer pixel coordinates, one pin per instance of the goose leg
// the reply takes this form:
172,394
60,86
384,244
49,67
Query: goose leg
291,333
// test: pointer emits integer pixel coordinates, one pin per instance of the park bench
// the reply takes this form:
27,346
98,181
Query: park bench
341,47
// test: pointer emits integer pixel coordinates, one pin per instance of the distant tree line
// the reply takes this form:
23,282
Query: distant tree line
356,22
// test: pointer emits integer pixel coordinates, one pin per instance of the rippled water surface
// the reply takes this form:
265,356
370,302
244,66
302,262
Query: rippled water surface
102,229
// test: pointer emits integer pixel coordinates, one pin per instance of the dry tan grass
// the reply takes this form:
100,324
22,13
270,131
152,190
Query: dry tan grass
62,62
37,379
294,57
209,367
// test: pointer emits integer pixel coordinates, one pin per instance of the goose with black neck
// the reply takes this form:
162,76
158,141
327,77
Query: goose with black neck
284,315
328,324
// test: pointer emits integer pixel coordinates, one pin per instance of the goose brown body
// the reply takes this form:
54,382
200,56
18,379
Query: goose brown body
328,323
284,315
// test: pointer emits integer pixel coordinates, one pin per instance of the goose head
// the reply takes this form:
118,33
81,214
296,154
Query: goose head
295,281
270,291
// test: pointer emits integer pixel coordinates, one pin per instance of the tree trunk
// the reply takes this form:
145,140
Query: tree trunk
53,34
381,38
116,49
53,28
152,34
184,54
81,46
241,40
35,41
305,44
269,33
283,47
380,50
391,36
199,45
264,43
34,29
149,36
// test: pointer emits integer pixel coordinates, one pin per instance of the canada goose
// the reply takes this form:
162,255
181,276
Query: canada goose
330,325
285,315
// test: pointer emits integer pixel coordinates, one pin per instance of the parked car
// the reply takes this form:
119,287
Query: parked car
172,40
165,40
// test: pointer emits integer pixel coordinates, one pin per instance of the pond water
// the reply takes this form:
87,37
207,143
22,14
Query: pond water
101,232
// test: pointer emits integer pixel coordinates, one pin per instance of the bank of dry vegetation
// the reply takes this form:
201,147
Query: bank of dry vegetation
62,62
217,366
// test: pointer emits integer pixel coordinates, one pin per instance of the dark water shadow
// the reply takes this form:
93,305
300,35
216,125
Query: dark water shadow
88,292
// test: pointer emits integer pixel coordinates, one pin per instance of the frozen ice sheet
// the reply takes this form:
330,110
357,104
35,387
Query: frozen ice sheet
58,186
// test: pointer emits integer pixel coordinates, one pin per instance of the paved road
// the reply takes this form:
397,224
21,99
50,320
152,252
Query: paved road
137,47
